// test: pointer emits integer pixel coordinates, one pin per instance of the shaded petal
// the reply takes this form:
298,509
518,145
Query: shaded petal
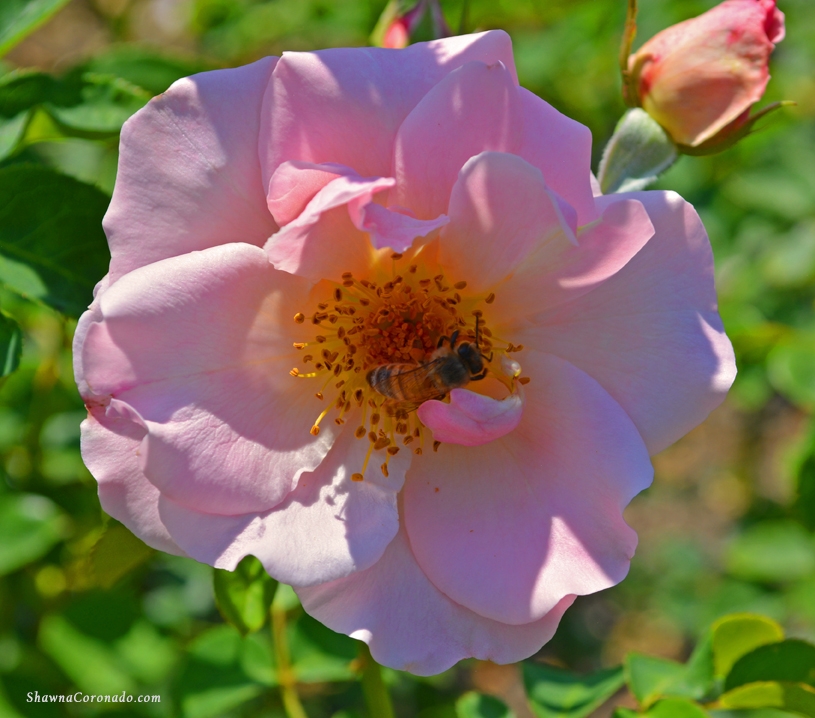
323,242
473,109
345,105
471,419
86,321
500,212
511,528
559,272
110,449
294,184
651,334
189,175
327,528
561,149
393,229
200,347
411,626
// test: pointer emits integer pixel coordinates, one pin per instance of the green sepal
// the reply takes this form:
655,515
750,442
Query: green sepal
637,153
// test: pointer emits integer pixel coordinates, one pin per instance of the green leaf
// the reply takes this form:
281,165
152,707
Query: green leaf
738,634
637,153
11,344
105,102
479,705
21,90
791,661
244,595
651,678
218,646
12,131
772,551
148,655
213,702
257,661
52,247
318,654
791,368
115,554
30,525
19,18
144,67
554,692
83,104
793,697
676,708
805,501
87,661
212,683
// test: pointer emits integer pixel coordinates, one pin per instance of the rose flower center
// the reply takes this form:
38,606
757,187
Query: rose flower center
387,347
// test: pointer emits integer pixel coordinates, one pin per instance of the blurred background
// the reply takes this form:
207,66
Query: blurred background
727,526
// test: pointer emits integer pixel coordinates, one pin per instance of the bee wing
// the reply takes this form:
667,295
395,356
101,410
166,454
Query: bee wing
393,406
411,386
417,385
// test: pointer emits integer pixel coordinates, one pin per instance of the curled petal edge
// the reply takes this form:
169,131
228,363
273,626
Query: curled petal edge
392,229
472,419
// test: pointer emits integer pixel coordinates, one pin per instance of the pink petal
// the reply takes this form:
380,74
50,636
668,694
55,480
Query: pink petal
411,626
651,334
471,419
561,149
500,213
327,528
345,105
323,241
395,230
511,528
294,184
110,450
558,273
595,186
200,347
189,176
473,109
86,321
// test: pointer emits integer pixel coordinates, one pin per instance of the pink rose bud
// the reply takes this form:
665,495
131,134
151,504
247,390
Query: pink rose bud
397,35
699,78
398,22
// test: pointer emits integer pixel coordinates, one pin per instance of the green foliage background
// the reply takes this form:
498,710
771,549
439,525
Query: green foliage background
727,527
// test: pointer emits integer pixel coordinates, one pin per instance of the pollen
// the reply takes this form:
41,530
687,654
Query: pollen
397,320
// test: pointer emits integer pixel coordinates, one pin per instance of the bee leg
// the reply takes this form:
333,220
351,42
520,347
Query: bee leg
488,358
443,339
479,377
454,339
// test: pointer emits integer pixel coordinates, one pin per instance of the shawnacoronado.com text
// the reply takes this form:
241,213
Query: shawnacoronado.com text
80,697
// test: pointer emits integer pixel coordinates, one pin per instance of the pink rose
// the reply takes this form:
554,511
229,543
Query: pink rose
699,78
280,230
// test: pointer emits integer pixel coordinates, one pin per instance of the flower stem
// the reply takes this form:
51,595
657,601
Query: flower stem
285,676
629,92
376,693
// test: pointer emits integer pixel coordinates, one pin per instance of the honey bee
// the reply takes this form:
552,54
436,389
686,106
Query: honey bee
453,367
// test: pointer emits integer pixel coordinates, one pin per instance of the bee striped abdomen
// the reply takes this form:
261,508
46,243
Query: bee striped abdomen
407,382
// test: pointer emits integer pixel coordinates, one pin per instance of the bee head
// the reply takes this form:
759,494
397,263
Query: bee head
471,357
